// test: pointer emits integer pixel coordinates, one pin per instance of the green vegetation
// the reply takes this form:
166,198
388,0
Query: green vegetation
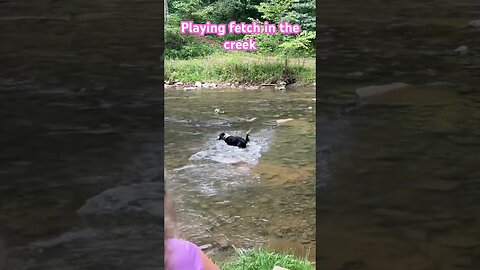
262,259
192,58
239,67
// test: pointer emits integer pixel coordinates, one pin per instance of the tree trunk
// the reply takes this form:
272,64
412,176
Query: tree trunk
165,9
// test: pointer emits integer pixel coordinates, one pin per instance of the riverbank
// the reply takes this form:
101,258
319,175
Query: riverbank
235,85
236,68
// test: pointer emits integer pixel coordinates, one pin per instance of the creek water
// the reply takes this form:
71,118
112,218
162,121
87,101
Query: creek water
402,189
80,134
263,195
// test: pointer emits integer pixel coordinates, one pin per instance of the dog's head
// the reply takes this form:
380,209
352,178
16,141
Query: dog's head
221,136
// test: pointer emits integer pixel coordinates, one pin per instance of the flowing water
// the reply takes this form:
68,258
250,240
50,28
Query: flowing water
80,114
400,186
263,195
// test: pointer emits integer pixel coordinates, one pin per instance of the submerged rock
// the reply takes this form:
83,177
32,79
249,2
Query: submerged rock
222,242
140,200
462,50
474,23
278,174
404,94
378,89
68,237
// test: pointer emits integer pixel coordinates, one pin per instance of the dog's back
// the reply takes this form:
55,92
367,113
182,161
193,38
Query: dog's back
236,141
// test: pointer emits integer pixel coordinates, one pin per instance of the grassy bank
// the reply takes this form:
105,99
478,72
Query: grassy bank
262,259
239,67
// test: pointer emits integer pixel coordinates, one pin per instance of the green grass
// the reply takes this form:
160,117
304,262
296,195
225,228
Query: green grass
238,67
262,259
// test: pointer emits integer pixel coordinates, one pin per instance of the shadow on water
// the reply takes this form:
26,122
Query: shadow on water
261,195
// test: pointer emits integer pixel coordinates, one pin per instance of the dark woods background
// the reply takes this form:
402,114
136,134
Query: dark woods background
81,118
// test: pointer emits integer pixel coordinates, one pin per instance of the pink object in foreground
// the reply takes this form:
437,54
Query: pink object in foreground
183,255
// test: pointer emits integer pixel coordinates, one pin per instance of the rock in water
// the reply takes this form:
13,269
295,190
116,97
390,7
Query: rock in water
402,94
378,89
139,200
462,50
198,84
281,121
206,246
474,23
68,237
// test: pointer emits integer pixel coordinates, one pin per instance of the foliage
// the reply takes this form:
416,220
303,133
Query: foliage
178,46
299,44
275,10
303,12
184,8
191,51
267,44
223,11
294,11
238,67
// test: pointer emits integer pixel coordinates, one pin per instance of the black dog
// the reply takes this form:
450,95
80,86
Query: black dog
234,140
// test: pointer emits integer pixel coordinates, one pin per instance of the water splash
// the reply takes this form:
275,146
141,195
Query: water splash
220,168
219,151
